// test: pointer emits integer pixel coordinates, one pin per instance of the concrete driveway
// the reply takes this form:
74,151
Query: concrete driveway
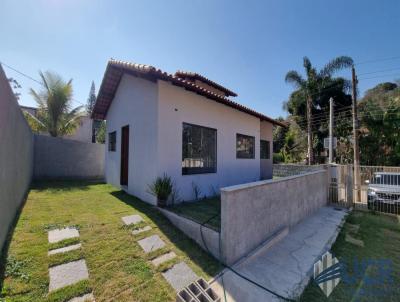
286,267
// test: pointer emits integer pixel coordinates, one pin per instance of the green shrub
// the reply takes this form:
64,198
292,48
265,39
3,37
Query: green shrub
162,187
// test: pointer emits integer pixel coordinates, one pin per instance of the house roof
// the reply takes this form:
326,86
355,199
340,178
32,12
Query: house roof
192,76
115,69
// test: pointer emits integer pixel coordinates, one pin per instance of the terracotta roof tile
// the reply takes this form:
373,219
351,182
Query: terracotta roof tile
115,70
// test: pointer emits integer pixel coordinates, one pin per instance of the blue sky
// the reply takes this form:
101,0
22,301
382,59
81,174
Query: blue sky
248,46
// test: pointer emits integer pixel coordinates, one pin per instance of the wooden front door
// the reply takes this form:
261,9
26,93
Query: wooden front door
124,155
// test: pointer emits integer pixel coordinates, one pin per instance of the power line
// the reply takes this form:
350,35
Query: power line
377,60
32,79
378,71
381,76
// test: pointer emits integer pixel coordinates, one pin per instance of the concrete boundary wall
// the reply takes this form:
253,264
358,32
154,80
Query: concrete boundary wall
16,157
251,213
192,230
58,158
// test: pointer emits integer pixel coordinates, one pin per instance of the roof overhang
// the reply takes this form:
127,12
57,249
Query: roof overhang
115,70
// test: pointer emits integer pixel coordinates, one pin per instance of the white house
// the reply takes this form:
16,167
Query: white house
183,125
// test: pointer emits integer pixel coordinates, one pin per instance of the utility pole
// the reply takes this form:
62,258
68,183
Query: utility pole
331,130
309,134
356,164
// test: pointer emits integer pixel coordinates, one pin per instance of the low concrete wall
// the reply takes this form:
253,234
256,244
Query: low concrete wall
192,230
16,154
251,213
58,158
284,170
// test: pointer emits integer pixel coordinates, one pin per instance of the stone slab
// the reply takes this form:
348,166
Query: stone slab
67,274
62,234
65,249
179,276
84,298
352,240
163,258
151,243
141,230
132,219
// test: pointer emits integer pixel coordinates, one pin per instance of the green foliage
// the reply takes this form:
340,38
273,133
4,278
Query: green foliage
380,126
91,99
101,132
16,268
162,187
318,86
54,114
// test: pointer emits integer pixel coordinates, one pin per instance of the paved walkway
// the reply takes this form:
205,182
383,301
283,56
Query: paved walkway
68,273
286,267
180,274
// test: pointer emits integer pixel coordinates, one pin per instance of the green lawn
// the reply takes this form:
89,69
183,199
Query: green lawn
203,211
381,237
118,268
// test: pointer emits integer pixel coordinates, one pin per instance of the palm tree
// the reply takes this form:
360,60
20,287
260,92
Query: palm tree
54,106
312,85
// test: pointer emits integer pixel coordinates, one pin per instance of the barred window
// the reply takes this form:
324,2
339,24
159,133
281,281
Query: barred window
112,141
199,149
264,149
245,146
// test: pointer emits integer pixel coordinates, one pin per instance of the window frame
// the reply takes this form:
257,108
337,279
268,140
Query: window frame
197,170
268,149
112,145
253,156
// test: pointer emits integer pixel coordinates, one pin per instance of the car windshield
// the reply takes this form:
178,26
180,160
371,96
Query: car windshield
386,179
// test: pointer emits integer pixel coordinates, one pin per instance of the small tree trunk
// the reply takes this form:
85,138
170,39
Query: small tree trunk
309,133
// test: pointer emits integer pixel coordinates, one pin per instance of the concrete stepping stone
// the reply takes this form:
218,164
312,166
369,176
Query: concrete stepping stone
353,240
67,274
141,230
84,298
151,243
354,228
65,249
163,258
132,219
62,234
179,276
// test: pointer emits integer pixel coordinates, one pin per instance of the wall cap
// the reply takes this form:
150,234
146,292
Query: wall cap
259,183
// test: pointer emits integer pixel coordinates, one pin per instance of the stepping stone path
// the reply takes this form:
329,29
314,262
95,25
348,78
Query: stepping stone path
65,249
67,273
138,231
62,234
178,276
151,243
84,298
353,240
168,256
133,219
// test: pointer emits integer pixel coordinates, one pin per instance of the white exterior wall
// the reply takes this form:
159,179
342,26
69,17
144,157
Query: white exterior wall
195,109
134,104
266,164
83,132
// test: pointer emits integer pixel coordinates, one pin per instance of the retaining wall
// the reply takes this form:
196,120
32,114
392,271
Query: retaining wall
192,230
16,154
58,158
251,213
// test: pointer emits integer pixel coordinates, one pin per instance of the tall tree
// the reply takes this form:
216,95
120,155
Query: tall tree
309,98
380,125
91,99
54,101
